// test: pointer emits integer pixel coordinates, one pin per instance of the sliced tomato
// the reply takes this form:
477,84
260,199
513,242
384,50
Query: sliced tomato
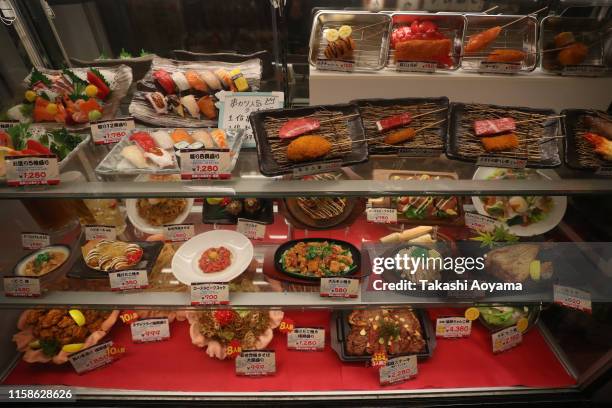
35,145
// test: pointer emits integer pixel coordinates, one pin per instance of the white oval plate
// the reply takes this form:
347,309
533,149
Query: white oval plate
185,261
551,221
143,225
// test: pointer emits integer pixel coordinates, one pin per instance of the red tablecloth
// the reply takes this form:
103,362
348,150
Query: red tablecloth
177,365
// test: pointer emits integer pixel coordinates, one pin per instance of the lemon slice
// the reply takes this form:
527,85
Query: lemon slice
331,34
78,317
72,348
535,269
472,313
30,95
52,109
91,90
345,31
522,324
214,200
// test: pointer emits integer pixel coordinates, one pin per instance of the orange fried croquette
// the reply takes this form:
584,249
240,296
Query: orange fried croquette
308,147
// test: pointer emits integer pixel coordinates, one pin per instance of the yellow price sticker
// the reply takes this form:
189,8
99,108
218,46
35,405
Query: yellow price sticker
522,324
472,313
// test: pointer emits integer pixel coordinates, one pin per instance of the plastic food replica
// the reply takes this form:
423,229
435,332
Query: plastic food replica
111,256
421,41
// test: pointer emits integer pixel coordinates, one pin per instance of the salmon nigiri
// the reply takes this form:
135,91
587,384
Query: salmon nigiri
196,81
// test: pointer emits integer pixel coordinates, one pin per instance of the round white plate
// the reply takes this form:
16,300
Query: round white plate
185,261
551,221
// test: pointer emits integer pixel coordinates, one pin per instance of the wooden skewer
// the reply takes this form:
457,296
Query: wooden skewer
539,119
339,117
489,10
524,17
383,135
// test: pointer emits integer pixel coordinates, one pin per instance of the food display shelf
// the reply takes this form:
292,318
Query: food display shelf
246,181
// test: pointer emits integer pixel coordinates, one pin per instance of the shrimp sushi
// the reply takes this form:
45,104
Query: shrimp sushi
220,139
191,105
181,135
134,155
226,79
196,82
163,139
211,80
180,81
204,137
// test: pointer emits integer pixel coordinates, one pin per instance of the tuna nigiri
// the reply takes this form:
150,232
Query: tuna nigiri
163,139
164,80
181,135
191,105
144,141
203,137
482,40
196,82
135,156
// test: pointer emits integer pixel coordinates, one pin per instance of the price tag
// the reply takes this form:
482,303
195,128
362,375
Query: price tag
317,168
92,357
108,232
604,171
499,67
128,280
584,70
209,294
7,124
146,330
572,298
417,152
111,131
506,162
178,232
21,286
35,240
236,107
335,65
339,287
506,339
453,327
398,369
479,222
306,339
255,363
31,170
382,215
251,229
205,164
416,66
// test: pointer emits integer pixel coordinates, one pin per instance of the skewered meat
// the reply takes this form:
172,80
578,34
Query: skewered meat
393,122
493,126
296,127
599,125
482,40
506,55
308,147
498,143
400,136
603,146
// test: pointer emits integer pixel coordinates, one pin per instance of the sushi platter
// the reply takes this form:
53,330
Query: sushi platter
72,97
157,151
182,93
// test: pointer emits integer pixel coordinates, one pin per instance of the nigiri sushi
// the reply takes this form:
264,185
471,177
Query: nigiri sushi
180,81
196,82
143,140
220,139
181,135
135,156
157,100
226,79
160,157
163,139
164,80
203,137
191,105
207,107
211,80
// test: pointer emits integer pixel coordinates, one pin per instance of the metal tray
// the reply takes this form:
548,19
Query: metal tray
451,24
580,154
340,329
595,34
429,146
521,35
370,31
548,150
289,244
268,165
213,214
151,251
115,165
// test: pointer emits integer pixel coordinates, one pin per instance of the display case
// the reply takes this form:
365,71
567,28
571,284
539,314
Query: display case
183,222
